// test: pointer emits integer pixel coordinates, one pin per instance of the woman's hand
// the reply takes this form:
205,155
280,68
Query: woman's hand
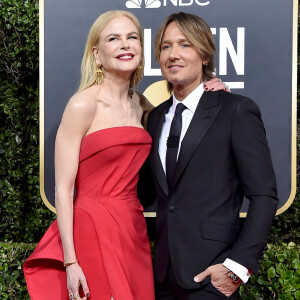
215,84
75,279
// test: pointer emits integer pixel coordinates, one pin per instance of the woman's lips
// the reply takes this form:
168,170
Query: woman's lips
125,56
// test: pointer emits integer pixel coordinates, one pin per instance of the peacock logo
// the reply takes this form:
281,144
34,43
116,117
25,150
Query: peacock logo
147,3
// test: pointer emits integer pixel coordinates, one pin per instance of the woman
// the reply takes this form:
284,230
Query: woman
98,247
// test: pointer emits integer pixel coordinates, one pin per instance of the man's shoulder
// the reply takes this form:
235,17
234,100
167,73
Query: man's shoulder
161,108
237,103
232,98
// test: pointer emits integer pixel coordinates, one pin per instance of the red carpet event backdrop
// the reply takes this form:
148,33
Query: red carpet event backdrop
257,57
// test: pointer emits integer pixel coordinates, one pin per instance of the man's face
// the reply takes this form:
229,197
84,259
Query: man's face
180,63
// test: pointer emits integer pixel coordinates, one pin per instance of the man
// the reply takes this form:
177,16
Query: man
207,155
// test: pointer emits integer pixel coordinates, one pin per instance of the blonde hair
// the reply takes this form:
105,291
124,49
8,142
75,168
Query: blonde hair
88,64
198,34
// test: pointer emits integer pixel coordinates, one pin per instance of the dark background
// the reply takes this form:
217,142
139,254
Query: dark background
267,78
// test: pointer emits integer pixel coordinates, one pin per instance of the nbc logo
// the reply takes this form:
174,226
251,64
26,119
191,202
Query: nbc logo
138,3
159,3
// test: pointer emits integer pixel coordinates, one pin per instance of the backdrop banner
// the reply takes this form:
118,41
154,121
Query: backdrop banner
257,57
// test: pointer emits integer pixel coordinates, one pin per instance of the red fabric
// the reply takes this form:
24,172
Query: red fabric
110,233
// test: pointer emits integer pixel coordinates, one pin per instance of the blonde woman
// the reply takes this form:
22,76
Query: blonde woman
98,247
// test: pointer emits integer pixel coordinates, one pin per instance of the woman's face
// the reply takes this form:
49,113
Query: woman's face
119,49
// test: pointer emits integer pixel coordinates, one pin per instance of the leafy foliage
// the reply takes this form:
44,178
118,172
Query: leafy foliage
12,281
23,217
279,275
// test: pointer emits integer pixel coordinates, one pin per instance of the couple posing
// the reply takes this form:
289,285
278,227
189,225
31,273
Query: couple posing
207,148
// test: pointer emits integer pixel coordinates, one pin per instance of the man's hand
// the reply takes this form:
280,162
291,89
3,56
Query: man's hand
219,279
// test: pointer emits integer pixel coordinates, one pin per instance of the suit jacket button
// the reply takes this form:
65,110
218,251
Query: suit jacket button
171,208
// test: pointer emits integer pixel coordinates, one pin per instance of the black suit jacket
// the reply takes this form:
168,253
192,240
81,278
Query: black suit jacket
224,156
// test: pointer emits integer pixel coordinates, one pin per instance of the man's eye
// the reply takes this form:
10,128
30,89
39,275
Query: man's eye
165,47
185,45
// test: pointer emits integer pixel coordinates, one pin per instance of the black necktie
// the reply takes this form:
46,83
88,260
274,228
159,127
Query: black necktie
173,142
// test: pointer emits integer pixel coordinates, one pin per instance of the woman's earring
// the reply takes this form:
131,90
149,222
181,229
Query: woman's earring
139,73
99,75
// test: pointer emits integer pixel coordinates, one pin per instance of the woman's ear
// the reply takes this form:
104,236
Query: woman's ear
96,55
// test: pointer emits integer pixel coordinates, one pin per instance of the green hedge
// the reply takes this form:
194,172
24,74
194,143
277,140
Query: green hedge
12,281
279,275
23,217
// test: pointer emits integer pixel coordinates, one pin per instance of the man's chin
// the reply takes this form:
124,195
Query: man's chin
174,80
178,83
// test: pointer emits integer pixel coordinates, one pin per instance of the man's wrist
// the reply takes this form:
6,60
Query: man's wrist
234,277
237,269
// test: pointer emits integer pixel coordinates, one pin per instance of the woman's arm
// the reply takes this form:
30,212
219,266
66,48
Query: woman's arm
75,122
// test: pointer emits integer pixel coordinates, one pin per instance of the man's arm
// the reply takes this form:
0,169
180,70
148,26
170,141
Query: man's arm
255,169
254,165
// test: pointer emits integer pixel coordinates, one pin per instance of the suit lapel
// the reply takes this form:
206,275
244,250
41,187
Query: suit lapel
156,161
205,114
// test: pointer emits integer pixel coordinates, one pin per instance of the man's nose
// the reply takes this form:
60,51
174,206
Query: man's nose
174,53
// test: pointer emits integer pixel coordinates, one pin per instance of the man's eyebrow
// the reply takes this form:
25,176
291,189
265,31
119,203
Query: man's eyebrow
180,41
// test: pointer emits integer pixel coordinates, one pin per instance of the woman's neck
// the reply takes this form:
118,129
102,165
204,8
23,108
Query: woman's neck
115,89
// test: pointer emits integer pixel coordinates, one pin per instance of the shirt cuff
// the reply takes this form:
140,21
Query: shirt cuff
237,269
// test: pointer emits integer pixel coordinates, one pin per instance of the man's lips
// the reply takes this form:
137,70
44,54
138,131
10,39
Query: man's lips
125,56
175,67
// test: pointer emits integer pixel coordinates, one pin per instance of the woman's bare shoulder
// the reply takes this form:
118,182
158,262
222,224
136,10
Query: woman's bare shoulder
79,112
82,103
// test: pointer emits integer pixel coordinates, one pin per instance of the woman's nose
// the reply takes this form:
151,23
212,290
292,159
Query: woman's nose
125,44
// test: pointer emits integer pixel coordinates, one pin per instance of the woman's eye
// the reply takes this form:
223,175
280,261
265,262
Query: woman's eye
184,45
165,47
133,37
112,39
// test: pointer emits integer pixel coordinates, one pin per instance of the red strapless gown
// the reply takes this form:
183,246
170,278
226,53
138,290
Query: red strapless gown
110,233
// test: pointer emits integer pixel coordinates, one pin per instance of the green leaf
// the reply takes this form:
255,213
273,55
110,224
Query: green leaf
281,257
262,281
271,272
297,295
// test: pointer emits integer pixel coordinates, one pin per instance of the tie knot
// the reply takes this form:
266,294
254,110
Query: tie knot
179,109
